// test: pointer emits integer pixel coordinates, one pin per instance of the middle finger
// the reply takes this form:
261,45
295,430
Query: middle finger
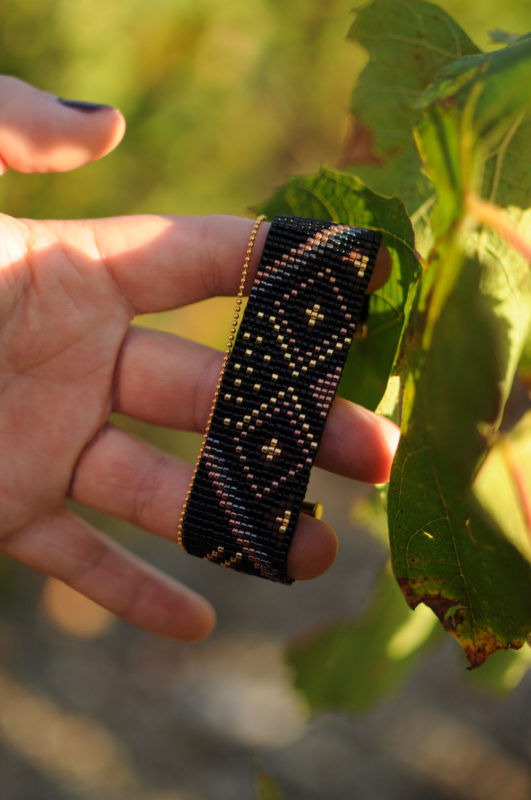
166,380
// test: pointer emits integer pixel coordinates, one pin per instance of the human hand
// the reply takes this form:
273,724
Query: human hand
69,356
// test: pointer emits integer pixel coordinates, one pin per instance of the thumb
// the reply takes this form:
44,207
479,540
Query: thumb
40,132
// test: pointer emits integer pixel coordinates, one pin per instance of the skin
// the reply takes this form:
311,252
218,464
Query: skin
69,356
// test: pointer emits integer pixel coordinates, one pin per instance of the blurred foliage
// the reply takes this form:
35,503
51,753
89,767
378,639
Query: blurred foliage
223,101
354,664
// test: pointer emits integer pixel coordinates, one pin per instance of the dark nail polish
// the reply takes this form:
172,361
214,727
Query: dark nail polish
82,105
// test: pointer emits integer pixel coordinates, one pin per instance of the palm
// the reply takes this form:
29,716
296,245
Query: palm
68,357
59,349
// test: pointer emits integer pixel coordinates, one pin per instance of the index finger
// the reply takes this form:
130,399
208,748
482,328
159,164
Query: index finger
162,262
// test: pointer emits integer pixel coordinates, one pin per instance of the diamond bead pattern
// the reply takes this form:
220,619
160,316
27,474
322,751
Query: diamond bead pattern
275,393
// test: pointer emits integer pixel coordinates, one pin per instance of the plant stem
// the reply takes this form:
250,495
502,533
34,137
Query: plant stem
487,213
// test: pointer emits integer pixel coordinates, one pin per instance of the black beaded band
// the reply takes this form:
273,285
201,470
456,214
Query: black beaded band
307,300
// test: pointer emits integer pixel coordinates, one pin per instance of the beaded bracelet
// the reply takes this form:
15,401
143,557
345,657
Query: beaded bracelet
278,380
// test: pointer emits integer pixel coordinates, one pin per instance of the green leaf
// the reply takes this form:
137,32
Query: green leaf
525,364
354,664
499,81
474,132
340,197
503,484
469,322
407,43
447,551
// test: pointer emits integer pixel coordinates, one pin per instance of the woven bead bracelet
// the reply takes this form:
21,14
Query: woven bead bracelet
274,392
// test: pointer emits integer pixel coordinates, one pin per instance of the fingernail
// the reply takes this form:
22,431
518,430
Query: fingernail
82,105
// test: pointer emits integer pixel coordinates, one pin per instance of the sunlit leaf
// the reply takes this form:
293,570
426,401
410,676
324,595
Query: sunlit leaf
525,365
447,551
469,323
503,484
407,44
474,132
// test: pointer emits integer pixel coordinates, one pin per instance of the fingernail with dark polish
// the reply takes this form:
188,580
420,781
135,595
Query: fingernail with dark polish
81,105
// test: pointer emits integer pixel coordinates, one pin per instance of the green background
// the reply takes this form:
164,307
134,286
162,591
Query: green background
224,100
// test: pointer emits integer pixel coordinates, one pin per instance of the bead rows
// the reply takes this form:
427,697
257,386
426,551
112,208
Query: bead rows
245,269
274,394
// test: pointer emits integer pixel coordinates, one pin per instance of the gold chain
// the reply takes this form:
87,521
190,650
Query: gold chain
232,334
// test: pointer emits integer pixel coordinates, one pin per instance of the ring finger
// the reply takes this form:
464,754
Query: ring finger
128,478
169,381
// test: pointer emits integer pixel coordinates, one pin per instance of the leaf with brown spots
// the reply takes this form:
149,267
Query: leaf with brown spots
471,317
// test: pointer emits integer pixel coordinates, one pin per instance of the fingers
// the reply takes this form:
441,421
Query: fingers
127,478
313,549
170,381
40,133
65,547
166,380
163,262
